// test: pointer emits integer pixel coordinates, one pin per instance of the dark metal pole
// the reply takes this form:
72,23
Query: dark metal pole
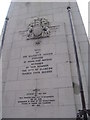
78,66
3,34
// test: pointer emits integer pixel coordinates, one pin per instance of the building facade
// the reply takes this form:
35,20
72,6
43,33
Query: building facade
39,70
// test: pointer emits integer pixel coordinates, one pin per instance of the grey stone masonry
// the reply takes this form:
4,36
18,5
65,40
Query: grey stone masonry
38,73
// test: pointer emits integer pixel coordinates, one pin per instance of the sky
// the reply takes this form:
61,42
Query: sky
83,7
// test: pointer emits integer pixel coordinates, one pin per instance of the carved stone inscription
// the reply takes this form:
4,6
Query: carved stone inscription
37,97
37,63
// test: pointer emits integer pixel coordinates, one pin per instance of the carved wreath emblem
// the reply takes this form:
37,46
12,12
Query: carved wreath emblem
39,28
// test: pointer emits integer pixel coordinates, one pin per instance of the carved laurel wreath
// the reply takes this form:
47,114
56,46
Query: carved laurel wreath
39,28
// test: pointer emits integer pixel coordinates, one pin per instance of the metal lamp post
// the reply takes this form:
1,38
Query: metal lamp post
82,114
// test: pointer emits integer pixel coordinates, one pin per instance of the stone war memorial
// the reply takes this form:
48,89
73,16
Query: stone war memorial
44,61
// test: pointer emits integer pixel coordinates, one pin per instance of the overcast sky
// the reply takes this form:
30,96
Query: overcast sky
83,6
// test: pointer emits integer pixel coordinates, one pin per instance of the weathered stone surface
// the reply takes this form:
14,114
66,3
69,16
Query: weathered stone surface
38,74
